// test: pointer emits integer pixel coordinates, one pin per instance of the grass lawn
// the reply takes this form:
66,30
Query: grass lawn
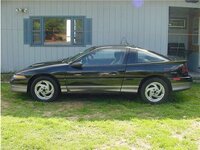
115,121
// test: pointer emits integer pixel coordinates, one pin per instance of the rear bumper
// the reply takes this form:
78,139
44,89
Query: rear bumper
183,84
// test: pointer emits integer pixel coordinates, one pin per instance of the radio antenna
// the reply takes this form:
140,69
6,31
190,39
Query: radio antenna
124,41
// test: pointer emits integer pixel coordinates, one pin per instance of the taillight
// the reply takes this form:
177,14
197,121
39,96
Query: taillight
176,78
184,69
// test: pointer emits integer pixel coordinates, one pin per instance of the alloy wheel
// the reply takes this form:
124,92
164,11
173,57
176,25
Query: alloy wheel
154,91
44,90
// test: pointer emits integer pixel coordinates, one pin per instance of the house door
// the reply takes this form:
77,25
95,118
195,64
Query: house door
183,35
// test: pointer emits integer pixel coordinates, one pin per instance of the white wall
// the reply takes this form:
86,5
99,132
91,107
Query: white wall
199,41
146,27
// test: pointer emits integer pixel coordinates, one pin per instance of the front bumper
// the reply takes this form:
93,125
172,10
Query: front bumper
19,88
19,85
183,84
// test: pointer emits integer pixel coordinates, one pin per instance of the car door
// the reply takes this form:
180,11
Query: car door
102,70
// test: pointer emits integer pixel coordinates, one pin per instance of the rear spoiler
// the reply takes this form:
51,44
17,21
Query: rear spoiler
176,58
178,61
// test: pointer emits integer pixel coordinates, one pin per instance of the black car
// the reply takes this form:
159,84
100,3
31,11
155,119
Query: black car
105,69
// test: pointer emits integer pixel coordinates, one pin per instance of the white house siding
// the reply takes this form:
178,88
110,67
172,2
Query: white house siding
199,42
146,27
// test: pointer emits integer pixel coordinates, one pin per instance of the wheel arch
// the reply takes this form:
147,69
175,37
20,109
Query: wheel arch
165,79
41,75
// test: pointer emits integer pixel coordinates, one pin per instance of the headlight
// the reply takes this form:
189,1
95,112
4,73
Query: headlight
16,76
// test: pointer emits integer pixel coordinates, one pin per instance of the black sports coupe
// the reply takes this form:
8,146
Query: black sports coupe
105,69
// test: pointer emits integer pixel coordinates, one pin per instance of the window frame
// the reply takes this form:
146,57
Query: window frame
42,31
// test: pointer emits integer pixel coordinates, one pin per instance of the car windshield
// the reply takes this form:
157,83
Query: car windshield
71,59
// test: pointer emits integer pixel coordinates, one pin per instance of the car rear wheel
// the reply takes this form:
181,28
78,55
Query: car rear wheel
154,90
44,89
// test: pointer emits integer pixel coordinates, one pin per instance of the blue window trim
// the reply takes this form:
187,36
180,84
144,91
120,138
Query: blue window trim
27,31
42,32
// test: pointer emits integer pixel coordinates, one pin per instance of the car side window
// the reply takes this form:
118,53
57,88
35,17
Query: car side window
143,57
104,57
146,57
132,57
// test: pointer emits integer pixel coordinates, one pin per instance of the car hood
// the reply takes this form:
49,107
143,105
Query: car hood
43,64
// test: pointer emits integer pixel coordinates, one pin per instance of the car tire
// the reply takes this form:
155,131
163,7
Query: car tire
45,89
154,90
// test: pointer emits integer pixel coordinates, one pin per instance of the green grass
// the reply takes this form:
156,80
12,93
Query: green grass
5,77
101,121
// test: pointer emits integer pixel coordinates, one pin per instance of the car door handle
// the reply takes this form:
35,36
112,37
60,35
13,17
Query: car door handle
121,71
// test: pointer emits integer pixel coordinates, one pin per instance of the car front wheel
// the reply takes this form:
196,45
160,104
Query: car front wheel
154,90
44,89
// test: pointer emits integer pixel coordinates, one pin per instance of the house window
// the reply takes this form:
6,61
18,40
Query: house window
57,31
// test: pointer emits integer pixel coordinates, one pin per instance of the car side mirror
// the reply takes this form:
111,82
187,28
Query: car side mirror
77,64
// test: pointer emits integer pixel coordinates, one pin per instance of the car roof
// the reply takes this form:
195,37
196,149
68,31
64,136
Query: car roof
114,46
121,46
